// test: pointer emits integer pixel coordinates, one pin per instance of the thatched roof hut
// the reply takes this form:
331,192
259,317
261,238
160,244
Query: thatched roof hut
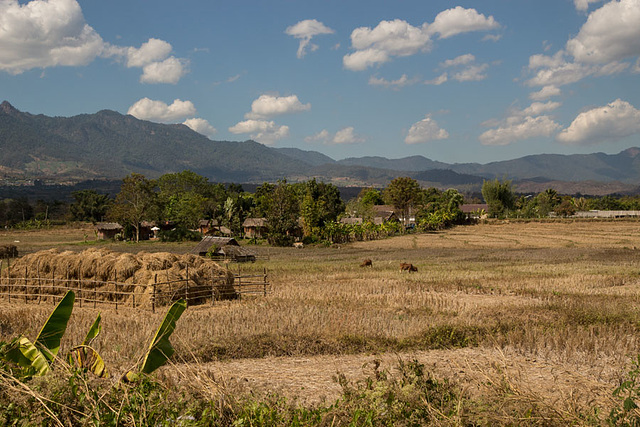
209,242
107,230
223,248
255,227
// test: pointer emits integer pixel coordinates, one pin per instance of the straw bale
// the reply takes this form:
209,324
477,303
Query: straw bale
122,276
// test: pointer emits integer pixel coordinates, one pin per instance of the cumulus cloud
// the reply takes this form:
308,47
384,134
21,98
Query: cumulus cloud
343,136
611,33
158,111
322,136
545,93
201,126
42,34
347,136
610,36
616,120
472,74
460,60
266,132
459,20
522,124
442,78
396,84
170,70
425,130
375,46
583,5
269,106
305,31
50,33
530,127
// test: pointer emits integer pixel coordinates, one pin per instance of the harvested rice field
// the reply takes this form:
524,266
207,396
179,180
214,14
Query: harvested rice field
531,321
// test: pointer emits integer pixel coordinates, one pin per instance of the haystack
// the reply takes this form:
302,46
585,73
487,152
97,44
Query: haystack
122,277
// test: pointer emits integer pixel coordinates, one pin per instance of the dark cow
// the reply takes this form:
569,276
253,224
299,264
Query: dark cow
366,263
408,267
8,251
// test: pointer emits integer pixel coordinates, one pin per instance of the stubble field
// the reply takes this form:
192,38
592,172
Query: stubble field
535,319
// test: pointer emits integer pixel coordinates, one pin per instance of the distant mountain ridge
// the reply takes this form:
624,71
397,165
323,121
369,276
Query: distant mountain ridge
110,145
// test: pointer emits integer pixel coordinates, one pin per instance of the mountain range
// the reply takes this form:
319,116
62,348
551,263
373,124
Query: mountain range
110,145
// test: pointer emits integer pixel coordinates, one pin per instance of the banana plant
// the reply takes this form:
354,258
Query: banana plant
35,359
86,357
160,349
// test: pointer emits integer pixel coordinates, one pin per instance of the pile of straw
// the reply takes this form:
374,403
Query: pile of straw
117,276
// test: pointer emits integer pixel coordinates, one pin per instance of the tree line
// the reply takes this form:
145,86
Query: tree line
309,210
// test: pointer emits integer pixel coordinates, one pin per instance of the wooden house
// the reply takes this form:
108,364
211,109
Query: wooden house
208,226
223,248
255,228
107,230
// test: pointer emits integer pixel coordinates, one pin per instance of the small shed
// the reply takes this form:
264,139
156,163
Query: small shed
107,230
351,221
223,248
475,210
255,228
208,226
383,213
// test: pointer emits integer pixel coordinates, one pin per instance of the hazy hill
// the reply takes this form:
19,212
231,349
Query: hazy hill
110,145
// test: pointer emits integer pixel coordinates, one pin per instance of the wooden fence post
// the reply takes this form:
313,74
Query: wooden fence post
187,290
39,283
80,288
265,281
9,278
153,296
53,283
115,286
213,287
25,284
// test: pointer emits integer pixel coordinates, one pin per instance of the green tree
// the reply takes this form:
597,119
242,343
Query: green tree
134,203
283,214
404,194
320,204
89,205
183,198
499,197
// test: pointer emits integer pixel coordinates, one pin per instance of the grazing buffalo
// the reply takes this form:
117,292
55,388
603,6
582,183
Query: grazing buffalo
408,267
366,263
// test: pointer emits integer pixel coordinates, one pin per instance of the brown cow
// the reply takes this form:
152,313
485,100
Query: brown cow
366,263
408,267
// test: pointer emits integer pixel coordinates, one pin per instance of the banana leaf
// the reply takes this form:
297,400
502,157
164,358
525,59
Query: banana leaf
26,355
48,341
160,349
93,331
86,357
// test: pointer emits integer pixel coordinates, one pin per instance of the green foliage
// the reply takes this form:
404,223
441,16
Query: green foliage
89,205
499,197
48,341
160,349
179,234
320,204
134,203
282,216
628,392
403,193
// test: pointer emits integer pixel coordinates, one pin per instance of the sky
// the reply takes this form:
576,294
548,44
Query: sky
457,82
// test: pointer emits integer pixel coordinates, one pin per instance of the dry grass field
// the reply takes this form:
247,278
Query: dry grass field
537,319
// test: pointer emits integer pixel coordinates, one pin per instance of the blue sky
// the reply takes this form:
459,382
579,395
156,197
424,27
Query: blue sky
458,82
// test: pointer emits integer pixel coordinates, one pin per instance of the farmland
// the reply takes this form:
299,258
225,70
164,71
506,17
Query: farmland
532,322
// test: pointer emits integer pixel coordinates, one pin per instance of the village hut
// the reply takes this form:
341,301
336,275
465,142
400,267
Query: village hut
351,221
474,210
107,230
383,213
223,248
208,226
255,228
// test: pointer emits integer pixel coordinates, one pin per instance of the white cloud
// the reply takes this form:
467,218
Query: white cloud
537,108
616,120
399,38
401,82
347,136
269,106
42,34
530,127
158,111
545,93
425,130
322,136
170,70
611,33
442,78
459,20
266,132
201,126
153,50
473,73
583,5
460,60
305,31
